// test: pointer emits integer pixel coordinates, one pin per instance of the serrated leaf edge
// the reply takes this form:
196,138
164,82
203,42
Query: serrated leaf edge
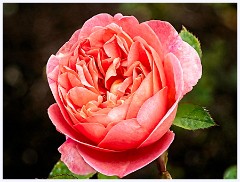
204,108
198,41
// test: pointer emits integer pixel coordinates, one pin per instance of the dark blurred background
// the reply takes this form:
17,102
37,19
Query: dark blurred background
32,32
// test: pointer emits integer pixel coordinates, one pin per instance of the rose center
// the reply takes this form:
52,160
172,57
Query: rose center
115,85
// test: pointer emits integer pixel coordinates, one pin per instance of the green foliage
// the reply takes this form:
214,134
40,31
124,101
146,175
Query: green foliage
102,176
230,173
192,117
191,40
61,171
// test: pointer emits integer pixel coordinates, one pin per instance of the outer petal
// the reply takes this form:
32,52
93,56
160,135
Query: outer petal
142,30
52,69
72,158
152,111
124,163
94,131
62,126
188,57
99,20
125,135
174,76
52,75
162,126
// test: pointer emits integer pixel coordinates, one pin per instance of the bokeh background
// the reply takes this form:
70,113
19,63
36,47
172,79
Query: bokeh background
32,32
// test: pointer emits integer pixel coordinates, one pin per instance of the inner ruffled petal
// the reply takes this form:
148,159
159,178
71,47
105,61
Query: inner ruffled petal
81,96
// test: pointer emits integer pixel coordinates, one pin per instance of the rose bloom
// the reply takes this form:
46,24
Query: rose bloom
117,84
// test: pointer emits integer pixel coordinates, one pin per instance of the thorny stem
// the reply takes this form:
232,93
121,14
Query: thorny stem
161,163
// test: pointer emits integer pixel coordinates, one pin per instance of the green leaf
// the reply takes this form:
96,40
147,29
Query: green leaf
61,171
102,176
230,173
192,117
191,40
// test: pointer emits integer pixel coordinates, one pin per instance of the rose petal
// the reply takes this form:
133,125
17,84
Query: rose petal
102,19
125,135
174,76
111,48
94,131
124,163
141,30
62,126
188,57
81,96
162,126
72,158
140,96
60,123
99,37
69,45
153,110
52,70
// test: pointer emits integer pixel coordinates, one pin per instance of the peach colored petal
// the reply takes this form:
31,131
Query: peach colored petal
82,76
68,80
191,65
102,19
124,85
99,37
141,30
67,47
162,126
188,57
55,91
99,118
140,96
125,135
52,69
62,126
119,113
112,71
72,158
94,73
94,131
81,96
136,83
174,76
111,48
138,53
124,163
155,60
153,110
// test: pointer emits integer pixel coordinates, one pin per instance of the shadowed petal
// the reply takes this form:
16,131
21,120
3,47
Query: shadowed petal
140,96
174,76
102,19
125,135
124,163
188,57
162,126
94,131
81,96
153,110
72,158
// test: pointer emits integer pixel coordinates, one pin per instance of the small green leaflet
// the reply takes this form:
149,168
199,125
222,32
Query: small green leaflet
230,173
61,171
102,176
191,40
192,117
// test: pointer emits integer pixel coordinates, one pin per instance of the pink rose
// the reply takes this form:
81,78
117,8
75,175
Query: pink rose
117,85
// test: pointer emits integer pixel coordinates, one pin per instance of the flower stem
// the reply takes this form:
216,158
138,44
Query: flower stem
162,163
